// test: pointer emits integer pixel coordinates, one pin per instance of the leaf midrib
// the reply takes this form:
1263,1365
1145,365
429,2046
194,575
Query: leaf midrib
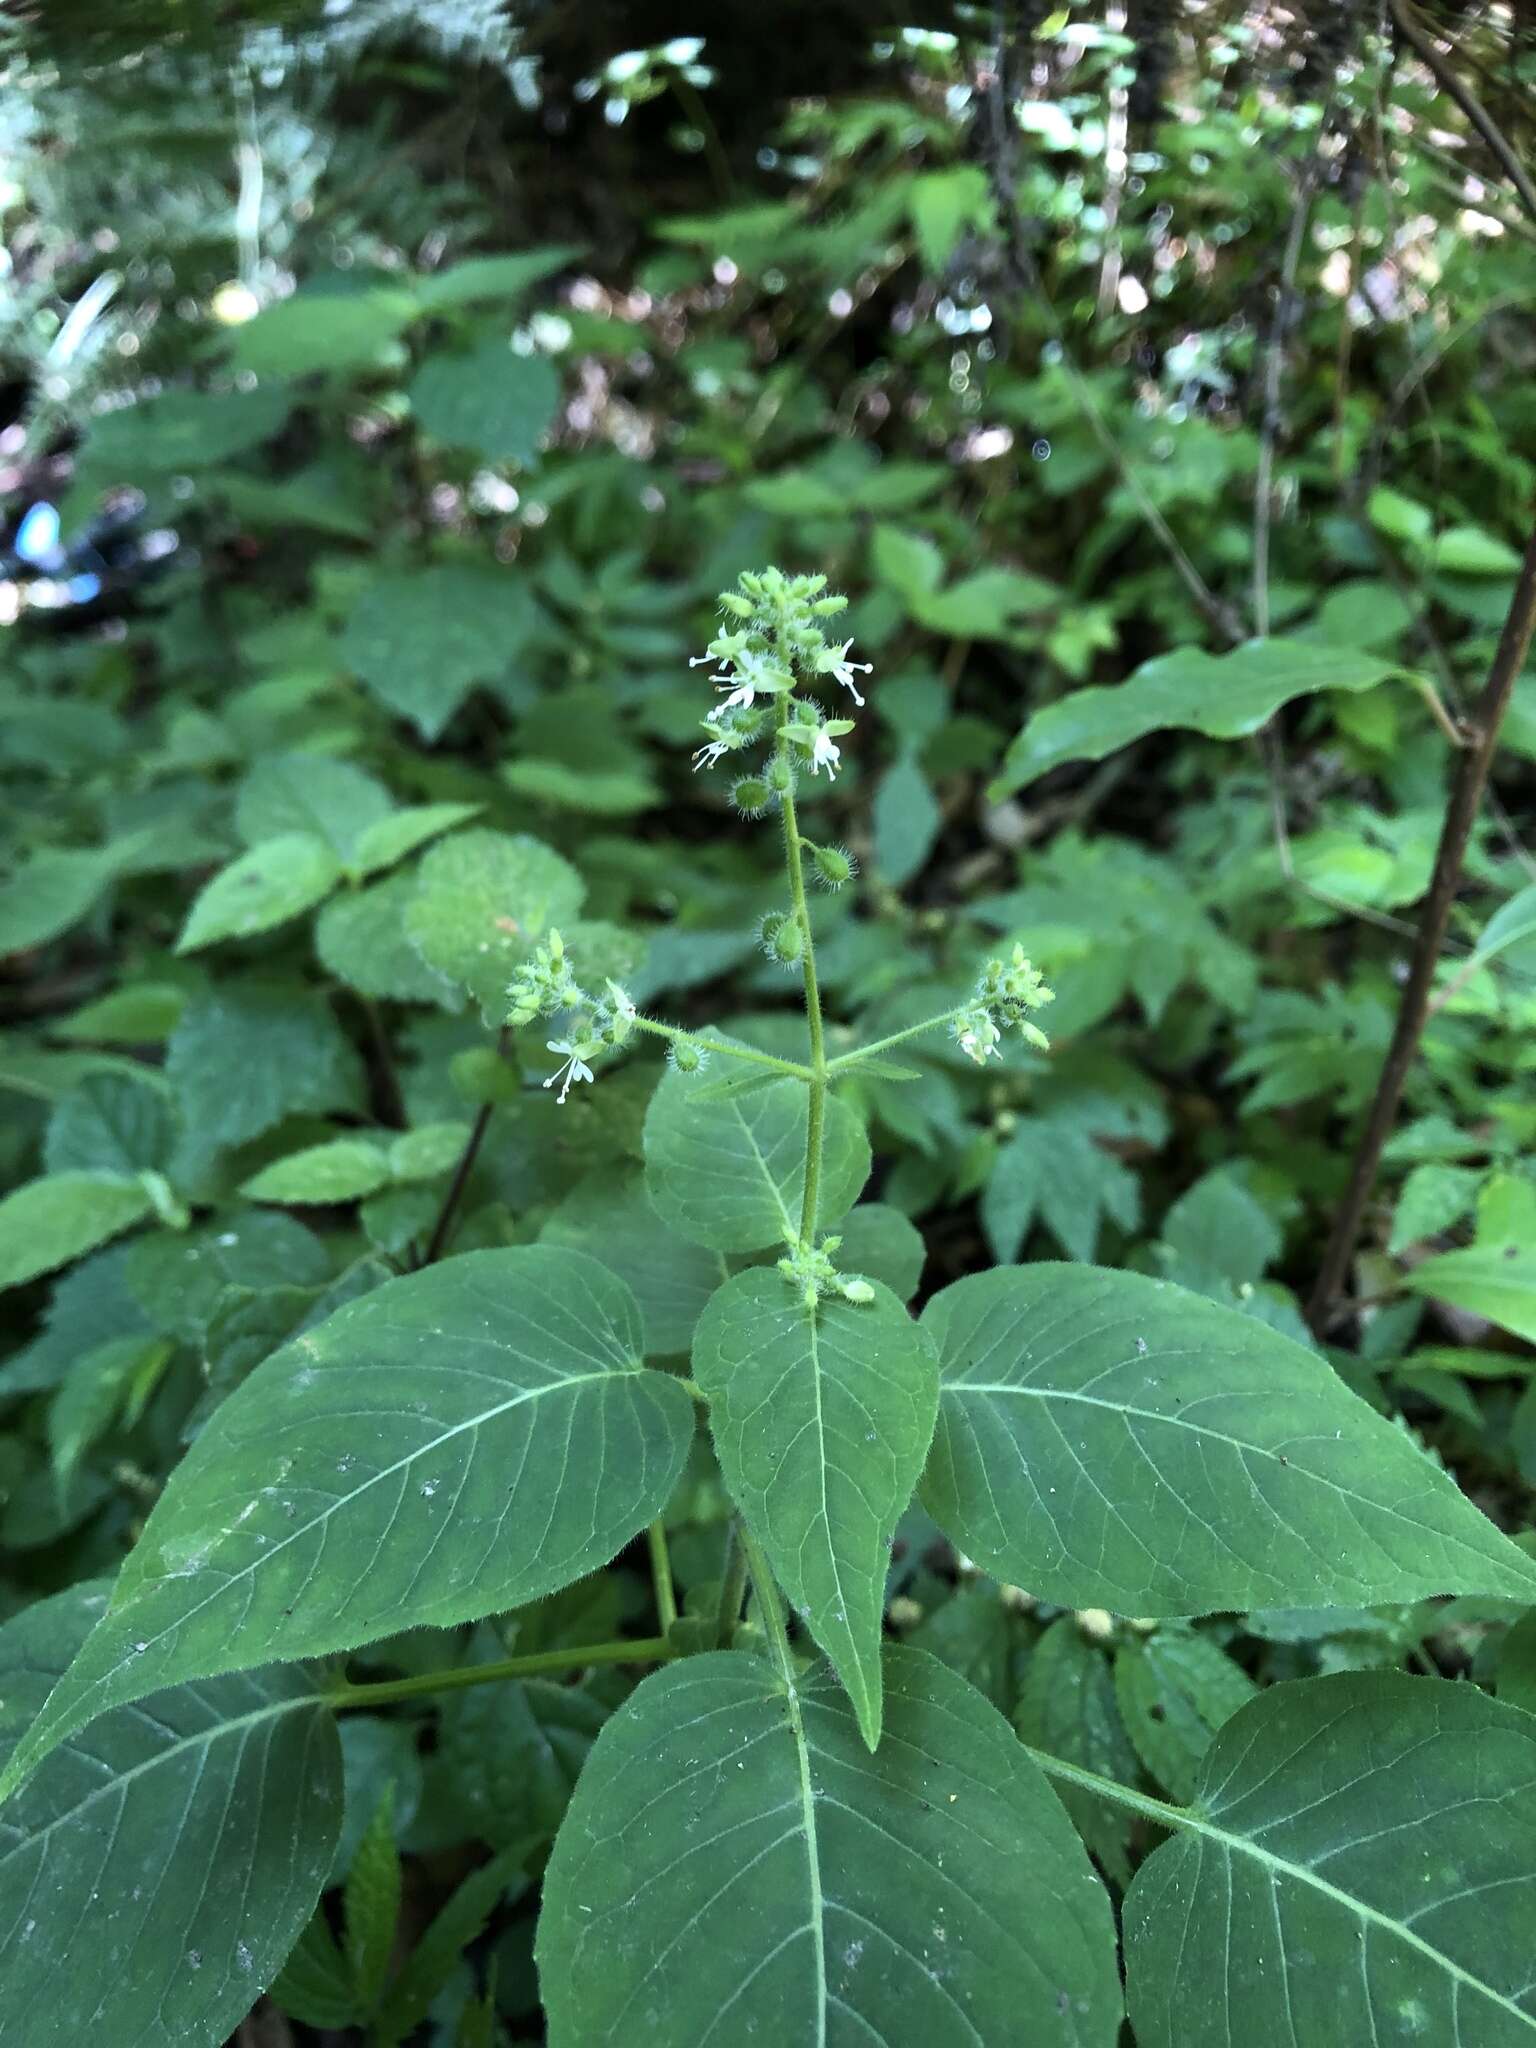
1187,1820
202,1739
30,1755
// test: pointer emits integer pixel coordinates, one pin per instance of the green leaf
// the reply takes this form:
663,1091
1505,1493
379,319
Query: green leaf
372,1904
1493,1280
736,1867
1067,1705
1469,551
513,1754
48,1222
1112,1441
426,1152
181,430
906,821
610,1215
330,800
321,330
441,1948
483,900
731,1174
878,1242
48,894
112,1124
1356,1868
1175,1689
822,1419
1432,1198
943,205
244,1057
98,1386
487,399
342,1171
156,1871
315,1984
1224,696
421,640
456,1442
142,1013
482,278
392,838
263,888
360,937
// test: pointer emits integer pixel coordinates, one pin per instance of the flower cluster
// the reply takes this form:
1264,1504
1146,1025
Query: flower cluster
546,986
810,1271
1005,994
771,639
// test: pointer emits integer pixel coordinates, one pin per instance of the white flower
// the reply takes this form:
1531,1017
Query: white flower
706,757
824,754
743,693
977,1034
574,1068
842,670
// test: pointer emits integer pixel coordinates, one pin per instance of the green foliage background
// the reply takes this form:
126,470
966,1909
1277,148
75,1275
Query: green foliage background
407,380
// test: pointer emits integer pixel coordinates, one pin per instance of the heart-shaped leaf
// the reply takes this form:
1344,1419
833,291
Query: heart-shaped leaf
736,1867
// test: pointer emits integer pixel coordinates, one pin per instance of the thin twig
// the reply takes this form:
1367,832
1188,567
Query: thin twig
442,1229
1024,279
1274,370
1460,816
1457,89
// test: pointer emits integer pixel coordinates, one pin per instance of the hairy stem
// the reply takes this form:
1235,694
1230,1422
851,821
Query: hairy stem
1111,1789
845,1060
677,1035
422,1684
1467,788
661,1575
765,1586
817,1083
733,1585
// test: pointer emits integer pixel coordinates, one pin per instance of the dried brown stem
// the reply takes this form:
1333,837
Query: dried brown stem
1471,778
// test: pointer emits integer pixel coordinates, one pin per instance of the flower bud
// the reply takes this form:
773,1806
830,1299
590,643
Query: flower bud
687,1059
834,865
783,939
751,795
780,776
858,1291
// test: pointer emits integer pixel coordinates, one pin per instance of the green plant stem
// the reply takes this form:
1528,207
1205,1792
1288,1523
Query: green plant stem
1121,1795
765,1586
733,1584
845,1060
422,1684
817,1081
661,1575
729,1052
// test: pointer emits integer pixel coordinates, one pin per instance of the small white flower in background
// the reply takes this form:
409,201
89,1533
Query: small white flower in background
573,1069
825,755
835,663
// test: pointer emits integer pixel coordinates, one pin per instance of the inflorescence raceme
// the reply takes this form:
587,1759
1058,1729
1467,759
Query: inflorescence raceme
772,644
